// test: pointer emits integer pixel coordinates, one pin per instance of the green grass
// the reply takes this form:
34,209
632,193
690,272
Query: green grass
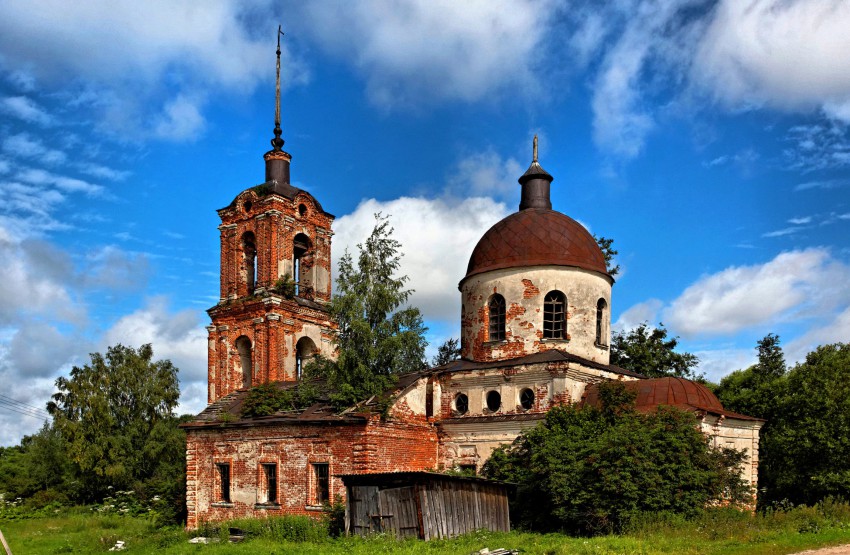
715,532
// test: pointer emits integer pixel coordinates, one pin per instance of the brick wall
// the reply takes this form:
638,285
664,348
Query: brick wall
374,446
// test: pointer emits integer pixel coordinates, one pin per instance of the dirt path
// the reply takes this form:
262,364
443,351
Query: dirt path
837,550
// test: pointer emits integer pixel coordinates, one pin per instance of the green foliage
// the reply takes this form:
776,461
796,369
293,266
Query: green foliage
116,431
335,517
592,470
36,471
288,528
609,253
267,399
808,442
378,336
648,351
757,390
285,286
447,352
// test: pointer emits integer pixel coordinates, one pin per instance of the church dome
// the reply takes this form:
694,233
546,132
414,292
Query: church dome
536,237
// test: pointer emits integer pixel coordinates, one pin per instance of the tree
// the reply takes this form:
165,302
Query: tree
806,449
757,390
591,470
116,415
648,351
447,352
609,253
378,337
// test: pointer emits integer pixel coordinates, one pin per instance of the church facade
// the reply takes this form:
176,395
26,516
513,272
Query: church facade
535,333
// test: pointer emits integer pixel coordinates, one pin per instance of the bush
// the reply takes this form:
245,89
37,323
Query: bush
594,470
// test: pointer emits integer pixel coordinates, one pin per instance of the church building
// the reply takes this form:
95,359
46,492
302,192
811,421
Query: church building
535,320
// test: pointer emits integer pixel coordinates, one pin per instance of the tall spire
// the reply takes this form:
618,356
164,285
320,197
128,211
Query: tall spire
277,142
277,160
535,185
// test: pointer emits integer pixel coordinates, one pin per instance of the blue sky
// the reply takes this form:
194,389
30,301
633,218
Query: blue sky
709,139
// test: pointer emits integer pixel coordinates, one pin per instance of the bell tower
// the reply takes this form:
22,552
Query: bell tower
275,280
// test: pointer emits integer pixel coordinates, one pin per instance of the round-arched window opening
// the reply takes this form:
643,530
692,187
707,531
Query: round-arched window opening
526,398
247,206
494,401
462,403
302,210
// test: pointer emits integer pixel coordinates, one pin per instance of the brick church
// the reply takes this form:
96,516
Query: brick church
535,329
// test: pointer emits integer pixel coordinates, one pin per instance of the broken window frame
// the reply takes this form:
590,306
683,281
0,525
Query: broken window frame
321,483
555,315
527,398
496,313
270,476
223,482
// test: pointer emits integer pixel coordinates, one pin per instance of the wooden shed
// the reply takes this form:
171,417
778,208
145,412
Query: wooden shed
424,505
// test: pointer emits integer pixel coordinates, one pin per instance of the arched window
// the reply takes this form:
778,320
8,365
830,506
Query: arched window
300,249
601,334
554,316
304,350
249,260
497,318
243,347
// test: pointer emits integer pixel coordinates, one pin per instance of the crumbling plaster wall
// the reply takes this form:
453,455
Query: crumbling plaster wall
736,433
524,290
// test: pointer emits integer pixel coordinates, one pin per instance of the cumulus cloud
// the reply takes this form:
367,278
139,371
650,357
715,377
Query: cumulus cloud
785,54
437,236
716,363
835,331
795,284
181,120
421,50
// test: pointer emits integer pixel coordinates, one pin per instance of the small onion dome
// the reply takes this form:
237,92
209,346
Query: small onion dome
675,392
536,237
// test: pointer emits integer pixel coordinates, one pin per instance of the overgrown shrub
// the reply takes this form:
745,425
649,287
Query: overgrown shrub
288,528
593,470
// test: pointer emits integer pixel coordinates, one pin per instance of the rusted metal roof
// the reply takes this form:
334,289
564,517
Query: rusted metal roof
536,237
670,391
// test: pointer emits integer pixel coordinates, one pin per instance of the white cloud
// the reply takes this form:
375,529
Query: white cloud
635,315
437,237
67,184
426,49
785,54
23,145
24,108
801,220
835,331
179,337
181,120
716,363
486,174
118,59
782,232
794,285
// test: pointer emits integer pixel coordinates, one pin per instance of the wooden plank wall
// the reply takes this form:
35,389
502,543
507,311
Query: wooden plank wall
434,509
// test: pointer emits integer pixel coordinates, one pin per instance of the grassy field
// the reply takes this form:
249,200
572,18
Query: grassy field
716,532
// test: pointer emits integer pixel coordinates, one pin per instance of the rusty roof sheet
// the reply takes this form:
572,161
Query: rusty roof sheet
536,237
670,391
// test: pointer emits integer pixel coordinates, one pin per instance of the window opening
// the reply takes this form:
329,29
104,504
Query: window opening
243,347
526,398
223,482
323,491
302,210
270,470
462,403
249,255
601,305
304,350
497,318
301,245
554,316
494,401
